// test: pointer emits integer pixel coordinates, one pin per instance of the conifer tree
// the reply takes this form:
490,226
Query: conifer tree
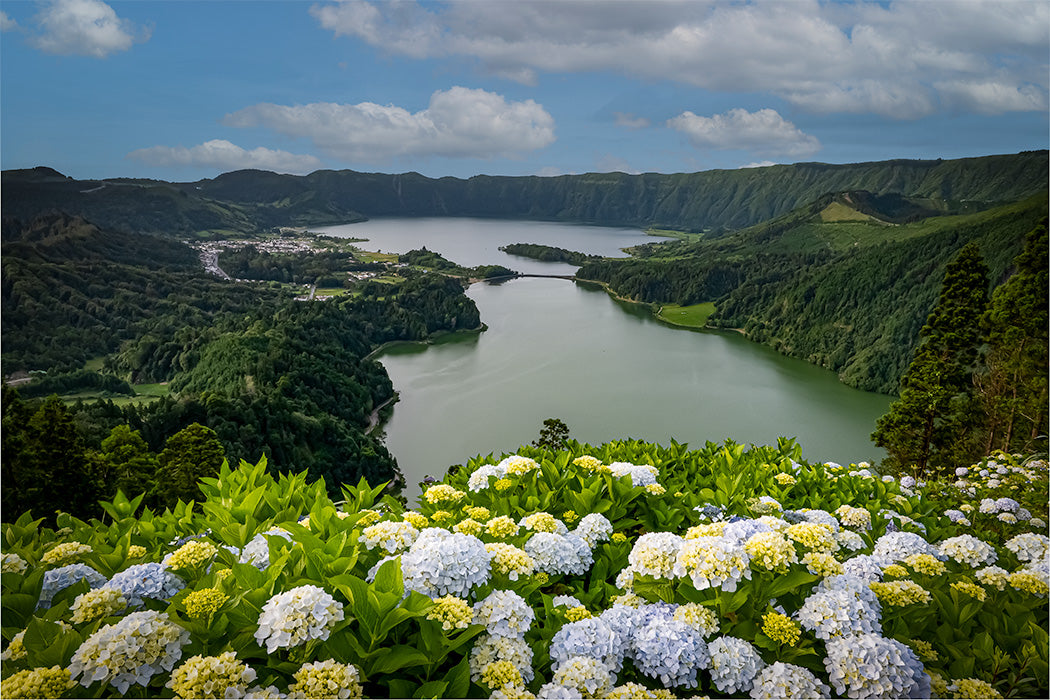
191,453
923,428
1013,389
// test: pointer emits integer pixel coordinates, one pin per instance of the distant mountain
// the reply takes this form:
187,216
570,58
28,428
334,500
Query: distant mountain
714,201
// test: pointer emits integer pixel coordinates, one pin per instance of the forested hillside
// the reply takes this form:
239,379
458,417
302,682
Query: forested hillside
850,296
268,374
714,201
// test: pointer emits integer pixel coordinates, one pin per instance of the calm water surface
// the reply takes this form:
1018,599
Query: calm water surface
554,348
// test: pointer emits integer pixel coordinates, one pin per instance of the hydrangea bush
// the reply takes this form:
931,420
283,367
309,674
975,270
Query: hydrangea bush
621,570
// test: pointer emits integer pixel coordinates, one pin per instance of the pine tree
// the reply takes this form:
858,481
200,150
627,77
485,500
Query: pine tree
1012,391
923,428
191,453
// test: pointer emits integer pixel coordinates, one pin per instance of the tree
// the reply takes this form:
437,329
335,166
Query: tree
191,453
127,462
935,409
1013,389
553,435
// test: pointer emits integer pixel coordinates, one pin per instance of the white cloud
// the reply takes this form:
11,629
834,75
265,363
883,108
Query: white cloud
225,156
630,121
759,164
992,97
6,23
458,123
905,59
84,28
763,132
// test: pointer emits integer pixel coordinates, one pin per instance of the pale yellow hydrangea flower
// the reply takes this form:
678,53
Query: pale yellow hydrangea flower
510,561
785,479
705,530
900,593
816,537
211,677
822,564
970,589
191,555
98,603
37,683
498,674
452,613
204,603
973,688
469,526
781,628
64,553
578,613
501,527
541,522
771,551
478,513
443,493
326,679
416,519
925,564
136,551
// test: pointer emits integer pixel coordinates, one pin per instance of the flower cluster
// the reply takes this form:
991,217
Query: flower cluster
816,537
494,647
13,564
130,651
640,474
734,664
504,613
221,676
858,518
510,561
654,554
1029,546
713,562
501,527
771,550
559,554
98,603
594,528
64,577
326,679
440,563
392,536
64,553
967,549
703,619
468,526
584,677
297,616
150,580
204,603
781,628
257,551
451,612
190,555
900,593
543,522
670,650
591,637
870,665
780,680
50,682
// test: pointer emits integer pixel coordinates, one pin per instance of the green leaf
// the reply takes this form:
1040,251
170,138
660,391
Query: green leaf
398,658
458,679
432,689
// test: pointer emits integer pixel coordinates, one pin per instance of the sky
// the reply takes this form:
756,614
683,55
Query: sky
184,90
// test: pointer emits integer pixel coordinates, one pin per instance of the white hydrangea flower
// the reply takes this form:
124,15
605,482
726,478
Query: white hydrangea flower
832,613
493,647
445,563
479,480
871,666
713,562
257,551
654,554
294,617
130,651
967,549
12,563
554,691
863,566
391,536
850,540
559,554
781,680
734,664
1029,546
594,528
585,676
895,546
670,650
566,600
640,474
504,613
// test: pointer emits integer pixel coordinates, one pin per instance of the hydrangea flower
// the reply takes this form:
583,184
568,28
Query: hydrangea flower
973,688
504,613
150,580
40,682
832,613
1029,546
444,563
190,555
443,493
868,665
203,603
391,536
895,546
543,522
64,577
1030,581
640,474
711,562
516,465
592,638
257,551
670,650
594,528
479,480
781,628
297,616
64,553
771,551
654,554
221,676
703,619
859,518
900,593
12,563
15,650
957,516
510,561
814,536
566,600
130,651
847,539
967,549
326,679
734,664
589,464
493,647
452,613
98,603
559,554
585,676
780,680
863,566
501,527
925,564
499,674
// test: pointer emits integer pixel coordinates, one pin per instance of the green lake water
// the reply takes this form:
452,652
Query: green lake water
608,369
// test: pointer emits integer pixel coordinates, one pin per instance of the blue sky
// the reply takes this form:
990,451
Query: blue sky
185,90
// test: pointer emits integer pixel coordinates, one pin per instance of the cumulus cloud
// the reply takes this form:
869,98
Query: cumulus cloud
84,28
758,164
763,132
904,59
225,156
630,121
458,123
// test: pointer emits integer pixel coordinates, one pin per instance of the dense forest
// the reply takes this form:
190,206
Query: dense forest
713,201
848,296
548,253
268,375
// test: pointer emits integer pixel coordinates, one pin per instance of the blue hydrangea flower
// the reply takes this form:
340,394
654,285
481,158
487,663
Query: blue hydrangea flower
672,651
150,580
592,637
734,664
504,613
871,666
65,576
443,563
559,554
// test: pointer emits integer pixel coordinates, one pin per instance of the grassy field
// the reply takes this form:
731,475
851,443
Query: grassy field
144,393
694,316
680,235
